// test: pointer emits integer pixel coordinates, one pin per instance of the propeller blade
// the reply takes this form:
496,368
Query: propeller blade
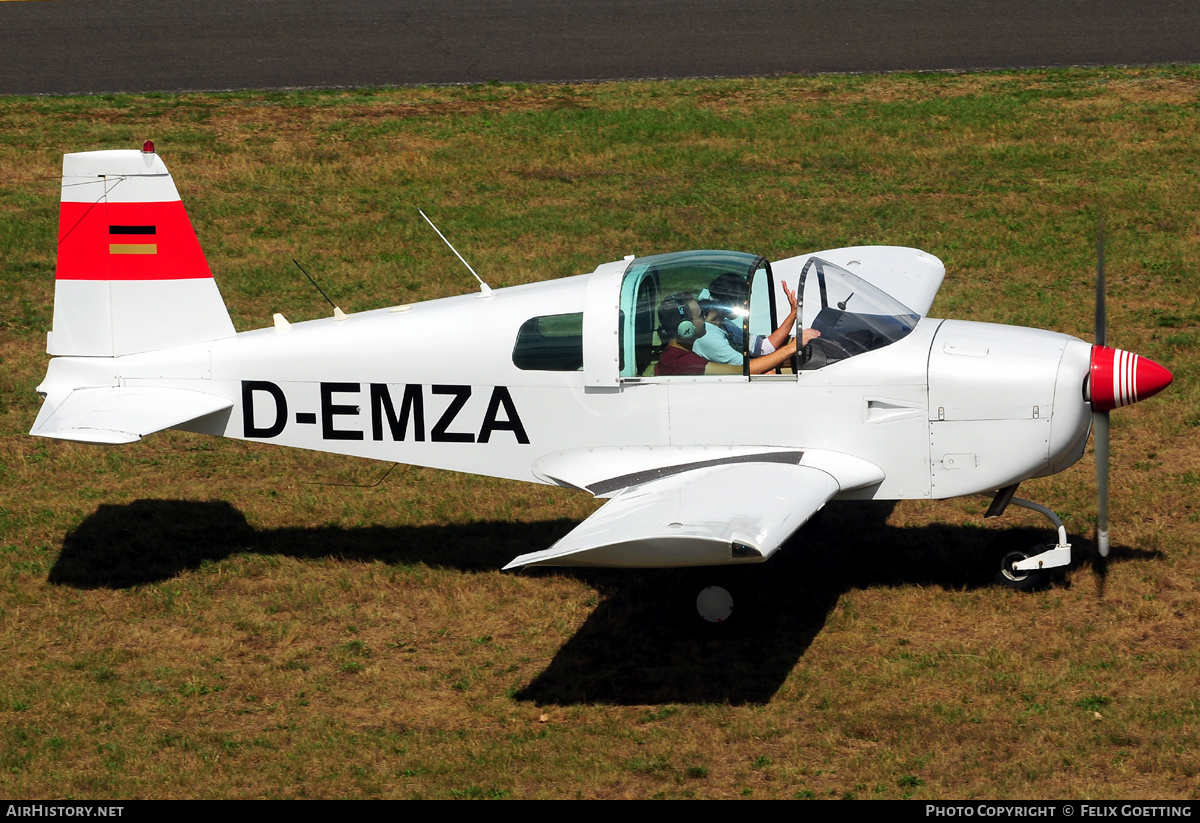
1100,429
1100,418
1101,321
1116,378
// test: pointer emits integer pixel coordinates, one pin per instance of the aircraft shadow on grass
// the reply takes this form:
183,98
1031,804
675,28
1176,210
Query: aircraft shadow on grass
641,644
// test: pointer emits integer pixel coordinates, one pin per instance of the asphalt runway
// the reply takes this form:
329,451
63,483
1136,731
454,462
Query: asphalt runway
99,46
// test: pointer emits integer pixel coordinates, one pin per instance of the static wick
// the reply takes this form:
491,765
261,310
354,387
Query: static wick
483,287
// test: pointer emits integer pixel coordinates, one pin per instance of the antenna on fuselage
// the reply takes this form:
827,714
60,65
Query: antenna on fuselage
338,314
484,288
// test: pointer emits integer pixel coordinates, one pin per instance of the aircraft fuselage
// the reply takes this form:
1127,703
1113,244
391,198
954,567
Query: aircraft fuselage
953,408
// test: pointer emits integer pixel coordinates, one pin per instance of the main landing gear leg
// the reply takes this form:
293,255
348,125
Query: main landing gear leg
1023,569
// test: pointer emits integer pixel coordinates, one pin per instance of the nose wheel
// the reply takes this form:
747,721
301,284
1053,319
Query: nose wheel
1022,580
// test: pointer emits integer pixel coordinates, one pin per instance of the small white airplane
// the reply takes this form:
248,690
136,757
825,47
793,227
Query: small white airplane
601,382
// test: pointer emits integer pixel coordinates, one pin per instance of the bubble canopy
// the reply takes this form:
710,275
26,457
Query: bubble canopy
740,289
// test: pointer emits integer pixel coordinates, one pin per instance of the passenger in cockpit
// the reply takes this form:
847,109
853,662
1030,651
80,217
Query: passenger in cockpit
681,324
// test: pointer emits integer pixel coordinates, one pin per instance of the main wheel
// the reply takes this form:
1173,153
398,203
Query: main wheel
1020,580
714,604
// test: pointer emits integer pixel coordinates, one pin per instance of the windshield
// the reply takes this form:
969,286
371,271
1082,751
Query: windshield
852,316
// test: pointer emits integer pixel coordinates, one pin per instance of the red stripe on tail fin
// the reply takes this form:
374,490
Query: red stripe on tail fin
128,241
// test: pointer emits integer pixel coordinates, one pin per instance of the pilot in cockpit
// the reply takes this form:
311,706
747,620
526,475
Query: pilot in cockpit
724,306
682,325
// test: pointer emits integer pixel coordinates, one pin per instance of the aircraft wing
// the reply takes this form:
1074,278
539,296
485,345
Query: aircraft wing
116,414
732,509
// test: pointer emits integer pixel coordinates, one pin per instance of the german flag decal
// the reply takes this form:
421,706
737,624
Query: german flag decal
132,248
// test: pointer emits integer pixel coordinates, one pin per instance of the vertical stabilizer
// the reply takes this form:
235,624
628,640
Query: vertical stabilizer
131,276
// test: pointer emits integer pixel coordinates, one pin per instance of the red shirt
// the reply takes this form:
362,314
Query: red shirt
676,360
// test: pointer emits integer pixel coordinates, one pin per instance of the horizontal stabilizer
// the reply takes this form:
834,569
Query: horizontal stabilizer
115,414
715,515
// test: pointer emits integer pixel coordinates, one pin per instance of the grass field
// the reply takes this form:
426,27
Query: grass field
187,617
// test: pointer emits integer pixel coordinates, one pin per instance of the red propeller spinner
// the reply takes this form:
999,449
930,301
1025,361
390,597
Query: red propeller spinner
1119,378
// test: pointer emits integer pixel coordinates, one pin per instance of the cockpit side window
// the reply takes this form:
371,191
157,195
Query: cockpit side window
550,343
708,284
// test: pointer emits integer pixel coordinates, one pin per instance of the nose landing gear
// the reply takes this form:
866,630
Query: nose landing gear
1028,569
